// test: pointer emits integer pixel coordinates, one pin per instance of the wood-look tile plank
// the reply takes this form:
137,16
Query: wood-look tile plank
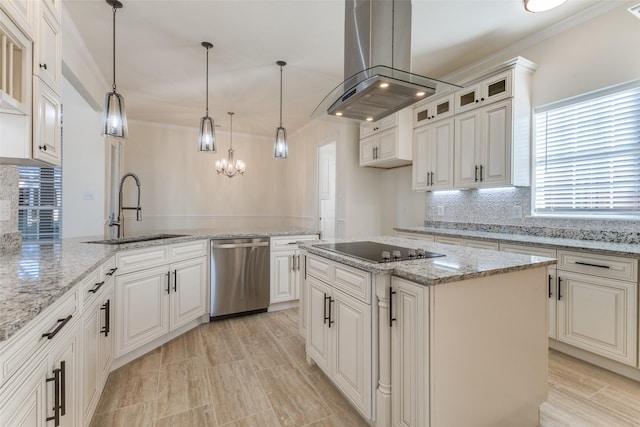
294,400
140,415
182,386
263,419
185,346
344,412
280,324
262,350
249,325
220,345
203,416
293,348
236,391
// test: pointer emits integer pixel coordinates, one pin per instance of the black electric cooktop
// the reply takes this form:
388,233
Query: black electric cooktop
377,252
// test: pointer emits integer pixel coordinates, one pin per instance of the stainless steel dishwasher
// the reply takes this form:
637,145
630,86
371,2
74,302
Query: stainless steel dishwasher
239,276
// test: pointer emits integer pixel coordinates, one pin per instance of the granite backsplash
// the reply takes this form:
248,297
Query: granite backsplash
10,237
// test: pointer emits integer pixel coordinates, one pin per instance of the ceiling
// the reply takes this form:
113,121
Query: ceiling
161,64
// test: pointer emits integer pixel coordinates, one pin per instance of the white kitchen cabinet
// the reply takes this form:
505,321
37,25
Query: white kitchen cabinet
415,236
598,313
387,142
448,240
285,267
62,393
151,302
432,166
339,329
489,90
22,12
409,353
22,402
47,124
47,52
431,110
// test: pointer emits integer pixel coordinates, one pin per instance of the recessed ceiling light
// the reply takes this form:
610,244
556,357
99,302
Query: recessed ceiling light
369,119
541,5
384,85
420,94
339,113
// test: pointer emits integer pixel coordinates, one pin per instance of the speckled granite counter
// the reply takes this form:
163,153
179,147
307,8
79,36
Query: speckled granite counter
35,276
606,248
460,263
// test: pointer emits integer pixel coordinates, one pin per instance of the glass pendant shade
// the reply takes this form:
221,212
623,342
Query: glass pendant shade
541,5
281,150
207,140
114,116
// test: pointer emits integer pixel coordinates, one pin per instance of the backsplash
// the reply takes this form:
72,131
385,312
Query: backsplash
493,210
10,237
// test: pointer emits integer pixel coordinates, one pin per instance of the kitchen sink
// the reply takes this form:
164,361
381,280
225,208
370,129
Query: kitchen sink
136,239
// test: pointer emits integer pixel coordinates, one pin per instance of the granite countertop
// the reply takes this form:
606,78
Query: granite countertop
605,248
38,274
460,263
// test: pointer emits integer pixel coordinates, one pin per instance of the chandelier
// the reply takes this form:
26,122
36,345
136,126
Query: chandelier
228,166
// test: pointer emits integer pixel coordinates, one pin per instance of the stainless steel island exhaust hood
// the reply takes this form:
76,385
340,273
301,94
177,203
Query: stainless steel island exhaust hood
377,51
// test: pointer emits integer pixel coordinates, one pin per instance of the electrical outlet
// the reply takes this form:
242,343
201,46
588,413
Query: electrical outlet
440,210
516,212
5,210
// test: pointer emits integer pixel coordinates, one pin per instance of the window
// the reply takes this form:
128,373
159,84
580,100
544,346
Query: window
40,203
587,155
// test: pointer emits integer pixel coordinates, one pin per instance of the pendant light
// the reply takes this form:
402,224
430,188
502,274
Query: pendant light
207,139
280,149
228,166
114,116
541,5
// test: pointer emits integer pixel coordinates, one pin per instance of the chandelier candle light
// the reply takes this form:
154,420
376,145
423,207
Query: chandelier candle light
228,166
207,140
114,117
280,149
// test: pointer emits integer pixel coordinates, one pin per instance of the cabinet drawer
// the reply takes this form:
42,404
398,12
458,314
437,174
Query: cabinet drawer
108,269
354,282
480,244
288,243
39,333
599,265
89,287
140,259
188,250
528,250
447,240
415,236
319,268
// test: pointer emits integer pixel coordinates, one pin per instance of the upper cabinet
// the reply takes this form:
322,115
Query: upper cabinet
387,142
22,12
484,92
47,55
425,113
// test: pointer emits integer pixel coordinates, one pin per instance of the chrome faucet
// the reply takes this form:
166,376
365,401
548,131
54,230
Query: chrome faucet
119,222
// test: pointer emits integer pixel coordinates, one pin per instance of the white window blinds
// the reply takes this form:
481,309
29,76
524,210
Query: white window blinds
587,155
40,203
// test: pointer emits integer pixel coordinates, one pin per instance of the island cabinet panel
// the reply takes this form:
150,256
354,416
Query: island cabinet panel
317,330
409,354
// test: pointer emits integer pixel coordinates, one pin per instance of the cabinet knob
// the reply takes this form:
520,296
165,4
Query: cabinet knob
42,147
481,99
43,66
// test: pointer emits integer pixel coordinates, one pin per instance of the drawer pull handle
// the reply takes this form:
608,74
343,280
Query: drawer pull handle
559,288
588,264
50,335
107,309
325,308
550,292
168,282
391,318
113,270
175,280
331,301
96,287
56,396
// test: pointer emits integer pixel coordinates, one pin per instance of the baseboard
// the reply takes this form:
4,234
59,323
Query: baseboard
283,305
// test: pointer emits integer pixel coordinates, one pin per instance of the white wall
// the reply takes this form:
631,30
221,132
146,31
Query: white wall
82,166
595,54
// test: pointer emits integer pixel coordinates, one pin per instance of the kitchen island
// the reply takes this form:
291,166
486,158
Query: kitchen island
458,340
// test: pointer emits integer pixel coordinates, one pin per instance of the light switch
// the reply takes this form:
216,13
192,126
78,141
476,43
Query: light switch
5,210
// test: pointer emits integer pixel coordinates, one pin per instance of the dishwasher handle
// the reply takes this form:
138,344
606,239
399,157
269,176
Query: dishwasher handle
238,245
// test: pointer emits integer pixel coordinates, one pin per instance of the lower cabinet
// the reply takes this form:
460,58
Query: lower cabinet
155,301
285,267
409,353
339,340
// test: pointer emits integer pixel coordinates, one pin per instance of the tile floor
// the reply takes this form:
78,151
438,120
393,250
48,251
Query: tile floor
251,372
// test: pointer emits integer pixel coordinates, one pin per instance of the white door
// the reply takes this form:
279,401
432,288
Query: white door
351,361
24,406
64,357
318,297
496,139
421,157
552,292
188,291
467,140
598,315
91,369
368,147
142,308
46,124
327,190
387,144
283,276
409,355
106,334
442,155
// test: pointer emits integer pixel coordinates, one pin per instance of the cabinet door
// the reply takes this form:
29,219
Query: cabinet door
352,352
65,358
91,372
318,296
409,355
46,124
142,308
282,276
421,158
496,144
22,399
387,144
47,57
106,340
467,143
189,292
367,150
442,155
552,292
21,12
497,87
598,315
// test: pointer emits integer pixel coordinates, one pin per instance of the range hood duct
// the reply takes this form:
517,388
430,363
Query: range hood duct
377,51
